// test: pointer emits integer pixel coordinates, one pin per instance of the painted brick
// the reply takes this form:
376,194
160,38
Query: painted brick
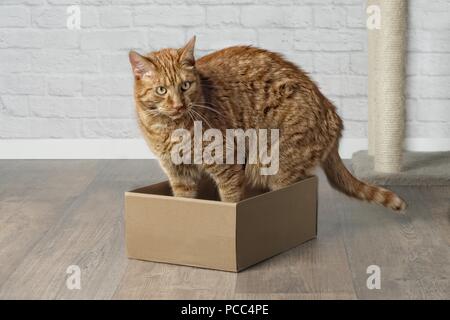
15,16
15,105
222,15
276,16
332,17
175,16
60,83
69,85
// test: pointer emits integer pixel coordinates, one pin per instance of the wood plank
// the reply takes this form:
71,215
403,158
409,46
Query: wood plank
149,280
32,196
413,259
438,204
57,213
89,234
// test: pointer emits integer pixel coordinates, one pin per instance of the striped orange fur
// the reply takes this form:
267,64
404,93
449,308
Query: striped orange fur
242,87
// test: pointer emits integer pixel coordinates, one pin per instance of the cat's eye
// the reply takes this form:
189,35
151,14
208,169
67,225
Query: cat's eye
161,90
185,85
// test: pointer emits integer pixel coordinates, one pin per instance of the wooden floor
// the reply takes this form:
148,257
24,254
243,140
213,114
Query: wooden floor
56,213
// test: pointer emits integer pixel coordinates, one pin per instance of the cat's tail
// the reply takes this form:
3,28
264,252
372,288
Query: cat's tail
341,179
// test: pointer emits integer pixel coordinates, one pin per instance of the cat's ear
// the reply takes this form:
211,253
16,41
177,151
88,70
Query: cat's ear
140,65
187,53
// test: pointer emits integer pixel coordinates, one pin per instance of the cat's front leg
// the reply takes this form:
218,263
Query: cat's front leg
229,180
184,187
184,179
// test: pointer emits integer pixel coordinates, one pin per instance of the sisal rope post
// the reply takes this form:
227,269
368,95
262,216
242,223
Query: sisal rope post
391,84
372,78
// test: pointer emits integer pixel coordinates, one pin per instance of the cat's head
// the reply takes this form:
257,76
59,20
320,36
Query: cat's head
166,81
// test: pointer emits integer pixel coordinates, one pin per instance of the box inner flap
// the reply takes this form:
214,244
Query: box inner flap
207,190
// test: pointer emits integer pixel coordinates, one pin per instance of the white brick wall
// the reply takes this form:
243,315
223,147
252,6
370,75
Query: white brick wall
75,84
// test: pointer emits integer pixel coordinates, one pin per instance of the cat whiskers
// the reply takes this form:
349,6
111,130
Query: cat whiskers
227,147
209,103
149,112
202,117
208,108
195,115
189,112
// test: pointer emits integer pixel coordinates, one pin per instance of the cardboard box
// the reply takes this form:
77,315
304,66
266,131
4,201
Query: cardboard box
211,234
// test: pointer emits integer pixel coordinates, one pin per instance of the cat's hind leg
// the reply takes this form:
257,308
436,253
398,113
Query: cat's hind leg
285,178
291,170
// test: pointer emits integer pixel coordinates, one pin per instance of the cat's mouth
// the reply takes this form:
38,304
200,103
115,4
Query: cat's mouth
174,115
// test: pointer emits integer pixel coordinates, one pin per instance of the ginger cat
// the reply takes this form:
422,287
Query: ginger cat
242,87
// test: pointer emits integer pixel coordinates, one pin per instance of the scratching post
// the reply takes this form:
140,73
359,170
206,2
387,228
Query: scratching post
381,165
390,86
372,79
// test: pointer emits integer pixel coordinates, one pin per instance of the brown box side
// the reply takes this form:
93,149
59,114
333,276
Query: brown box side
181,231
275,222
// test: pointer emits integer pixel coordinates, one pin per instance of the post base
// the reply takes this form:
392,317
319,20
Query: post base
418,168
